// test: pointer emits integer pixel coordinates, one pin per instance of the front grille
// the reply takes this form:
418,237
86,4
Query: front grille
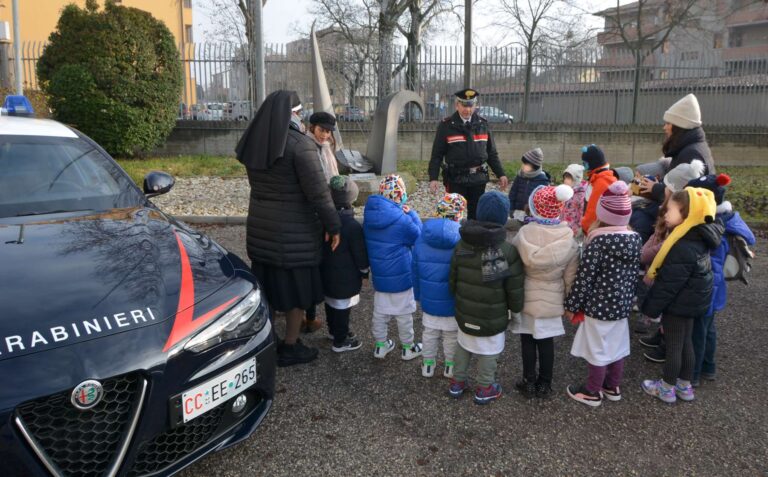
82,443
174,444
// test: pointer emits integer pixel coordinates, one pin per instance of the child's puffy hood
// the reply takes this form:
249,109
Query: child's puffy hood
482,234
441,233
381,212
544,245
701,210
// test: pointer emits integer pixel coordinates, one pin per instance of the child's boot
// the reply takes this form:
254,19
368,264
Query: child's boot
543,389
428,368
526,388
448,370
383,348
410,351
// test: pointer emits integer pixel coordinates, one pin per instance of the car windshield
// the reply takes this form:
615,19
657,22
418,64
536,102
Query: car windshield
43,175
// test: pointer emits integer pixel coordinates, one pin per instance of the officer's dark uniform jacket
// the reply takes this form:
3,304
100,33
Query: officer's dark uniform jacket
463,152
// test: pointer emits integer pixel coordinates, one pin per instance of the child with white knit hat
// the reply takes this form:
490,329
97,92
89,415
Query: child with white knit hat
550,257
573,211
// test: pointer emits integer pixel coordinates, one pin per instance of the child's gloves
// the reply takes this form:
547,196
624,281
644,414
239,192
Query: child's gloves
577,318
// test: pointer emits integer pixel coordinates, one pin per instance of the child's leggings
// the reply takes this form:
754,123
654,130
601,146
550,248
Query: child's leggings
430,338
546,358
680,359
486,367
608,376
338,323
380,325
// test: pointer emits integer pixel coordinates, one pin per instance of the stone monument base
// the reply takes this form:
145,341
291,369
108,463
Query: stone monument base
368,183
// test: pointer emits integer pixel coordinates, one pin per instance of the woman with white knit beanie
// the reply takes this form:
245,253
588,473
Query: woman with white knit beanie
684,142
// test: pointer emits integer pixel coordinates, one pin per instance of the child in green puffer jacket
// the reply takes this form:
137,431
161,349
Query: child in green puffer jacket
487,282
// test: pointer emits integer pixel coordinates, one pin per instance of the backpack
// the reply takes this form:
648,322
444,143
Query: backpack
738,262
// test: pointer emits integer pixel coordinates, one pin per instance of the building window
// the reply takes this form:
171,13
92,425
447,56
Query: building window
689,55
188,33
187,3
664,74
735,39
717,41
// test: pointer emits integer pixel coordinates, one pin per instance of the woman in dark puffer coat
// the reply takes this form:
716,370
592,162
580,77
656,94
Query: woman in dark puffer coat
684,142
290,207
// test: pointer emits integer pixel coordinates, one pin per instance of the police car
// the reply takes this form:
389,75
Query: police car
130,344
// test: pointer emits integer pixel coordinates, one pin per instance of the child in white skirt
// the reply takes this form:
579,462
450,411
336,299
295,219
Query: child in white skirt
550,256
602,297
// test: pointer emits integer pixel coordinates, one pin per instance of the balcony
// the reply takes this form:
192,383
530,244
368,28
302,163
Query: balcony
748,15
623,62
745,52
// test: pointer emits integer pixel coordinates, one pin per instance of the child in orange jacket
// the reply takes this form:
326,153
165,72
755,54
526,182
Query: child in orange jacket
600,178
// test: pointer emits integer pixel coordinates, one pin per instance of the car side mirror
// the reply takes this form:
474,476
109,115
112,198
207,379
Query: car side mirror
157,183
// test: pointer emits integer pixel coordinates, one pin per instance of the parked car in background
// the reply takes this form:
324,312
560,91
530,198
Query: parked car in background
495,115
350,113
237,111
216,111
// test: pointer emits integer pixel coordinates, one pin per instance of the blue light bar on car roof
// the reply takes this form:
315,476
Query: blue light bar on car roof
18,105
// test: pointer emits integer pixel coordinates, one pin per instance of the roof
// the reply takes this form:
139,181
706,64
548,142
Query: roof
16,126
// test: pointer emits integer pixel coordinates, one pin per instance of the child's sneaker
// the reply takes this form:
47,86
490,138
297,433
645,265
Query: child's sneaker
526,388
411,351
428,368
656,355
383,348
456,389
657,389
582,395
652,341
709,376
448,370
350,344
684,392
484,395
611,394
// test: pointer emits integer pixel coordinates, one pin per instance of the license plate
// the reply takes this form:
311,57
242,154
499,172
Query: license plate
201,399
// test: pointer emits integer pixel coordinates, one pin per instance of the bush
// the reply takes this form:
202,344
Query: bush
114,74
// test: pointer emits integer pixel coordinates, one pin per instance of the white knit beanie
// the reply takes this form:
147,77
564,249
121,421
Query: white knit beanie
685,113
678,178
576,171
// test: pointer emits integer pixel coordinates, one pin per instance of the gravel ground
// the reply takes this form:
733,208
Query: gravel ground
349,414
229,197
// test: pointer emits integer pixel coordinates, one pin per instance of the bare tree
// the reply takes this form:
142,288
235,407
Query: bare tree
539,25
354,24
389,12
642,37
227,22
422,14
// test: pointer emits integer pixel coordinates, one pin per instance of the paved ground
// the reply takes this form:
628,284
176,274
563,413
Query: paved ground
349,414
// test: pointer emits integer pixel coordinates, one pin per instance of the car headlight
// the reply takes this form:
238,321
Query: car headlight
247,317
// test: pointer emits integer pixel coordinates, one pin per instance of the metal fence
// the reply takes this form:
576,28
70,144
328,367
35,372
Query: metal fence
573,86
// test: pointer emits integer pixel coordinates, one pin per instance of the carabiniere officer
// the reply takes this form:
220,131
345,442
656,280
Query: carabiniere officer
464,150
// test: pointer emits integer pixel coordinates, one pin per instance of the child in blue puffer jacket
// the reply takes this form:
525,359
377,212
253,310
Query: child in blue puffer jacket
704,332
431,269
391,229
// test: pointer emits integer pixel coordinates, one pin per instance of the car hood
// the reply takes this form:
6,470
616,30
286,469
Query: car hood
82,278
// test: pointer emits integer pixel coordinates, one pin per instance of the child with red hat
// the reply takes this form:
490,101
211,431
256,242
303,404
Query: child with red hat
550,257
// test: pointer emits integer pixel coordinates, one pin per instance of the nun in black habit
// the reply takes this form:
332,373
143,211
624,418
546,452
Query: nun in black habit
290,213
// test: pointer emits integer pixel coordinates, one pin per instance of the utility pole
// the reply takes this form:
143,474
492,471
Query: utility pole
257,50
467,43
18,73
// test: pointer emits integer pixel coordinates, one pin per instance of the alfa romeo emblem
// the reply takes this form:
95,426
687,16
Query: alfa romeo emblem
87,394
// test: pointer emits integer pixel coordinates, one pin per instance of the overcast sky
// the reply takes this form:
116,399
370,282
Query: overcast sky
281,17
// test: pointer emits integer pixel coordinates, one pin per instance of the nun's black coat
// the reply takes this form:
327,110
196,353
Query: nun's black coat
289,208
290,203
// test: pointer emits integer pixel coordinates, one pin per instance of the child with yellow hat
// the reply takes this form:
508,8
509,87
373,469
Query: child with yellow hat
682,286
